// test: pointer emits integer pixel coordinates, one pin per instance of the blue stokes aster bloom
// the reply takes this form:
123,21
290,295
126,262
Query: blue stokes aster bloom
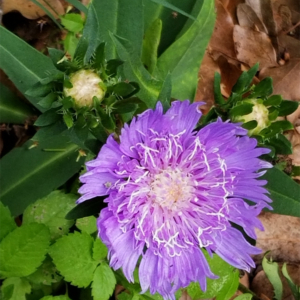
172,191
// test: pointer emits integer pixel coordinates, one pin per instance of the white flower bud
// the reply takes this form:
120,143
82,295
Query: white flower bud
85,87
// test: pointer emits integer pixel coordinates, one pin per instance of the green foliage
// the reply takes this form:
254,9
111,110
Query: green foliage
253,105
20,60
46,273
134,70
150,45
272,271
23,250
7,223
72,22
12,109
99,250
57,205
39,170
87,224
15,288
284,192
222,288
294,288
72,255
183,58
104,282
121,18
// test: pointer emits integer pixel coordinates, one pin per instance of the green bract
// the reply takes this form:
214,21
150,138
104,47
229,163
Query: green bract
256,109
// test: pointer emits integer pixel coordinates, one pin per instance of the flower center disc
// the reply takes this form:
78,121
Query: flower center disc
171,189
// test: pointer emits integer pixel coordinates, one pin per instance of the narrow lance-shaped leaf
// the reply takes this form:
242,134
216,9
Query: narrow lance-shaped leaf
12,109
134,71
150,45
184,56
173,20
36,171
23,64
284,192
122,18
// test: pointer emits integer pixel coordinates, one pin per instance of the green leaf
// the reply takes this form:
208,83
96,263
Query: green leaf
49,131
173,7
273,100
91,30
272,271
7,223
281,144
12,109
104,282
45,274
284,192
223,288
150,45
166,92
40,90
23,250
51,211
263,88
21,61
294,288
70,43
87,224
100,250
241,110
37,171
123,89
72,22
135,71
20,287
47,118
47,101
245,80
172,21
68,119
184,56
81,50
122,18
250,125
125,106
287,107
275,128
72,255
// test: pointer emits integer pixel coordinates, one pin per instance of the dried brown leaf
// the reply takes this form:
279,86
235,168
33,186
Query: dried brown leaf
221,40
254,46
281,236
290,44
285,79
248,18
30,10
205,90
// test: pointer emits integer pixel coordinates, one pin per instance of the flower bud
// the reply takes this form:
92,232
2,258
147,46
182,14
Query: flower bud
85,86
259,113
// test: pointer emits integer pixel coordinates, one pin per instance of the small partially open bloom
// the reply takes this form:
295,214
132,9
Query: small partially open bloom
173,191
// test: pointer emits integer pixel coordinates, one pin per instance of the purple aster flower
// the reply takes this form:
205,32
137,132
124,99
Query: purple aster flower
173,191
